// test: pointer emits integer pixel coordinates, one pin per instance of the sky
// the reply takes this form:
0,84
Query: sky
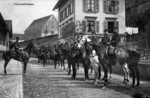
23,12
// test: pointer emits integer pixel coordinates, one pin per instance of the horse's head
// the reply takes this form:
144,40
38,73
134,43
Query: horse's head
32,47
83,40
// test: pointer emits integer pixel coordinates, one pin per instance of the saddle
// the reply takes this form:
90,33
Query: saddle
118,51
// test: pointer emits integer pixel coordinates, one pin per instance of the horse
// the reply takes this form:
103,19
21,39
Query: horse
128,58
23,56
82,56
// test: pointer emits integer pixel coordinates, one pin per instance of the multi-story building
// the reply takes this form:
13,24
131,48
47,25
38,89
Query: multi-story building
42,27
90,16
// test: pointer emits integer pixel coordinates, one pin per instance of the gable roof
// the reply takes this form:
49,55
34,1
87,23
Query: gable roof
57,4
37,24
60,2
3,26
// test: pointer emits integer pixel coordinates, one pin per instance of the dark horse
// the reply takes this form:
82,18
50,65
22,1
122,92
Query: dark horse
127,57
81,56
23,56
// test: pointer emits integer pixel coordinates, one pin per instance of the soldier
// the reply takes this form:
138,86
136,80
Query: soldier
105,39
114,43
16,46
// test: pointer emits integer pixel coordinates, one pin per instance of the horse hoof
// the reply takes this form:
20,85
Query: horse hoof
104,87
68,73
72,77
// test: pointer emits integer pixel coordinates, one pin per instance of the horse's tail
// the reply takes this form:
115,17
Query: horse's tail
3,55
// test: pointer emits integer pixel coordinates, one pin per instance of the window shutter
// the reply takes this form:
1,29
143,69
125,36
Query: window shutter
117,7
105,5
105,25
69,9
117,25
97,26
84,26
97,5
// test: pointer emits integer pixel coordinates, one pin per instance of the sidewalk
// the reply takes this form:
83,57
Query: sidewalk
11,85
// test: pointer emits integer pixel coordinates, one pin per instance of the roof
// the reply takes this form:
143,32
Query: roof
3,25
37,24
9,25
58,4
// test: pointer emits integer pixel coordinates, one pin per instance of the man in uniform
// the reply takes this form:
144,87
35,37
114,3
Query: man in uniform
105,40
16,46
114,43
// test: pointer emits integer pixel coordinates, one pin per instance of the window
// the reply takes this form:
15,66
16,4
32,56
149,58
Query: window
111,6
67,12
91,5
71,6
64,14
110,23
61,16
92,26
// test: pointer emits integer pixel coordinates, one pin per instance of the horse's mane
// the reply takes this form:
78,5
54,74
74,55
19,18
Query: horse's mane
98,46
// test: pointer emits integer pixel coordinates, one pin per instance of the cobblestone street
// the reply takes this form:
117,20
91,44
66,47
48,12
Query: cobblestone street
47,82
11,85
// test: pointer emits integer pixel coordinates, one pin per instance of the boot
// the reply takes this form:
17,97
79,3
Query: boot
116,61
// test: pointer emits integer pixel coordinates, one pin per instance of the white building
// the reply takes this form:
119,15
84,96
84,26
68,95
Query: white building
42,27
91,15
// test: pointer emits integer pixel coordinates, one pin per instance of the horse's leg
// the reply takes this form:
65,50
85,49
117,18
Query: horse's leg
99,71
55,63
126,73
63,62
78,65
110,71
133,76
69,67
5,65
74,70
105,68
91,68
137,74
87,65
24,66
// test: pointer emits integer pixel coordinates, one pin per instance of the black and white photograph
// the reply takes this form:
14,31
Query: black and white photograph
74,48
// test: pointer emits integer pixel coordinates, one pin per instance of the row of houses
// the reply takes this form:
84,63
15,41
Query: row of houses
79,16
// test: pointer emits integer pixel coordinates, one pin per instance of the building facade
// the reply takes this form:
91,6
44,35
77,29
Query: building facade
5,33
42,27
90,16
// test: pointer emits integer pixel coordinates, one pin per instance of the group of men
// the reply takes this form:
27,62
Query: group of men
106,40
